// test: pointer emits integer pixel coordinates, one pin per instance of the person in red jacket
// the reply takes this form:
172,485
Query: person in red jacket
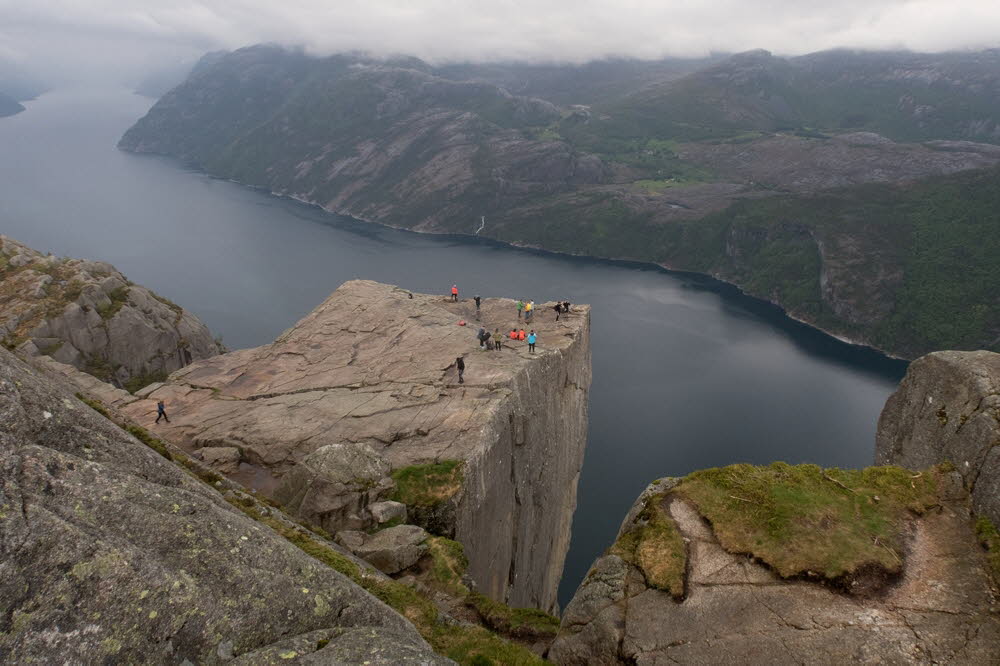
454,292
521,335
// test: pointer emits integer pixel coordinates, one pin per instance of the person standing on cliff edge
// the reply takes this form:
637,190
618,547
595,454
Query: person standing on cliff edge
477,300
531,342
460,364
161,412
454,293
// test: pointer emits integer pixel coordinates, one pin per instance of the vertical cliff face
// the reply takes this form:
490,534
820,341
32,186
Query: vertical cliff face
948,408
519,494
375,366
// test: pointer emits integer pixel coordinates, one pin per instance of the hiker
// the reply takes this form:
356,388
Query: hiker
481,336
520,306
529,308
521,335
477,299
558,308
498,339
513,334
486,341
454,293
161,412
460,364
531,342
566,307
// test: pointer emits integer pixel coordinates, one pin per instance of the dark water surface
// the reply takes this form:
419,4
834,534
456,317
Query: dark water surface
688,373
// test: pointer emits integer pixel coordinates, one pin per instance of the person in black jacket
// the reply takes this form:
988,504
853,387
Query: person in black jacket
460,364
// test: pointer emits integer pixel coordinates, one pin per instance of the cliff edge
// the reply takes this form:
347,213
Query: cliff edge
369,380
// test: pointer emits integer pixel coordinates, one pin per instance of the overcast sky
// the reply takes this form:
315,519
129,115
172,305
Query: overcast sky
135,34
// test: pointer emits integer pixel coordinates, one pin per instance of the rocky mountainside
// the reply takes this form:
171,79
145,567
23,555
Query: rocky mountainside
109,552
628,160
360,402
87,314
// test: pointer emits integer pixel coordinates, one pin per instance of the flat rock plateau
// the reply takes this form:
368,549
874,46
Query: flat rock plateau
373,370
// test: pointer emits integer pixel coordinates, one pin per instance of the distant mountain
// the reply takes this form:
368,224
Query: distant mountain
651,161
9,106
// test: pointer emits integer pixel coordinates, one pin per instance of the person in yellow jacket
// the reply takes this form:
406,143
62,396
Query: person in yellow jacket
529,310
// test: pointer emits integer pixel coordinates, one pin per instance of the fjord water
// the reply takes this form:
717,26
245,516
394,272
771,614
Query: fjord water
688,373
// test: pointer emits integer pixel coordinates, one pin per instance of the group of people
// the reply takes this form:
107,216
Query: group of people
495,341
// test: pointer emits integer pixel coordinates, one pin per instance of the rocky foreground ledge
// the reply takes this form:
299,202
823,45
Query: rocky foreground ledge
796,564
360,402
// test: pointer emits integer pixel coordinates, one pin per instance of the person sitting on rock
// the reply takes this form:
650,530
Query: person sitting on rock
531,342
460,364
454,292
521,335
161,412
513,334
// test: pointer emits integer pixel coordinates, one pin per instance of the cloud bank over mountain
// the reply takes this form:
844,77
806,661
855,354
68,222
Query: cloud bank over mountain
96,33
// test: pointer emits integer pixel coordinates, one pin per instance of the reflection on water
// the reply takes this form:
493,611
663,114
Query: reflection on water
687,372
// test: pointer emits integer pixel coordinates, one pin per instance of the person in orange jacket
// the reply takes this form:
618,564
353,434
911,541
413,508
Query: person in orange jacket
454,292
521,335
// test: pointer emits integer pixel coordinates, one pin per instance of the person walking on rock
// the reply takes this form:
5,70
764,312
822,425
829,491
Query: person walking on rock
161,412
460,364
565,307
481,336
497,340
531,342
529,309
477,299
454,293
558,308
520,306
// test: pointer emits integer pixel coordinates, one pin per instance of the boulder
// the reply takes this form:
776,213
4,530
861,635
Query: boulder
384,512
335,484
225,459
393,549
109,553
947,408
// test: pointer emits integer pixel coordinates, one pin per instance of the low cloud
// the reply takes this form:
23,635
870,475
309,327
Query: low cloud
474,30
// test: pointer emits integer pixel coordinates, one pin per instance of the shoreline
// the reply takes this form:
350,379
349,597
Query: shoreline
534,248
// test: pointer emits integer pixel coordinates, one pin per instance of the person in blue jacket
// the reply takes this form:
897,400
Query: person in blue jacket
531,342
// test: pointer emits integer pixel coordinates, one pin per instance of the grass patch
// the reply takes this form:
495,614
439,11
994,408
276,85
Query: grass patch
138,382
96,405
805,521
119,297
990,538
520,622
448,565
427,485
656,548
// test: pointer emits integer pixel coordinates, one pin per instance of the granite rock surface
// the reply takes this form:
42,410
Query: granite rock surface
375,365
109,553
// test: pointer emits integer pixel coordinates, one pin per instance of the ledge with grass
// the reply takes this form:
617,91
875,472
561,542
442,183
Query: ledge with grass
781,563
